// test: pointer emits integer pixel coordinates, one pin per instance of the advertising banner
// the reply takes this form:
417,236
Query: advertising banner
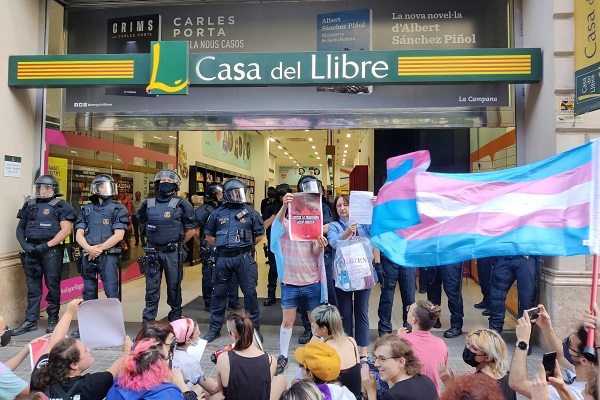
587,56
231,147
284,27
291,175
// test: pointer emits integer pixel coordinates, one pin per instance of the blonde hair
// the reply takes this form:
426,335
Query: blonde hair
490,342
328,316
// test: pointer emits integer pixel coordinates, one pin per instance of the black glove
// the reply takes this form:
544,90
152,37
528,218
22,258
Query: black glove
40,249
28,247
380,273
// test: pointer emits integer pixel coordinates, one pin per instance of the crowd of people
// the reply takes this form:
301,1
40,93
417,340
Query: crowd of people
335,363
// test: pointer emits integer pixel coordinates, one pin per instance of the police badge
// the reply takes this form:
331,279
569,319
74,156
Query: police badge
46,211
105,221
167,214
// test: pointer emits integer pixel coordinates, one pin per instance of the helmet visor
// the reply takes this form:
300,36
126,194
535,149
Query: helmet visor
167,176
104,188
238,195
41,191
312,186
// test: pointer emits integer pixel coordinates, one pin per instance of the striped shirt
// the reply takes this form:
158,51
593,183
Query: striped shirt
300,263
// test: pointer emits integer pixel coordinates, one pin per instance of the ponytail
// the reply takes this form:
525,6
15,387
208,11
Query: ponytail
244,328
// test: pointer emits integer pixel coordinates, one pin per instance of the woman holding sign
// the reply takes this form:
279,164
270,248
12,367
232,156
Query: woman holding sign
353,271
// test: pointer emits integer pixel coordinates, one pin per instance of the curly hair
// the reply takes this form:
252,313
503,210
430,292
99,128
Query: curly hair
400,348
491,343
328,316
57,369
145,368
472,387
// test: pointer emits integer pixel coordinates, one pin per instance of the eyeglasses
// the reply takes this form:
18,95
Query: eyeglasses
382,359
567,344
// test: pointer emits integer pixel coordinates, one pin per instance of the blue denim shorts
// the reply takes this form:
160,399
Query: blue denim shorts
292,296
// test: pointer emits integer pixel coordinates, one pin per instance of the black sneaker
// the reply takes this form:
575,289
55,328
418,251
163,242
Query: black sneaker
270,301
281,364
305,337
486,312
25,327
210,336
452,333
52,321
481,305
437,324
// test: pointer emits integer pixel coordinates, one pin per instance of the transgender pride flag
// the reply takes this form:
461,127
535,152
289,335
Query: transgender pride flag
551,207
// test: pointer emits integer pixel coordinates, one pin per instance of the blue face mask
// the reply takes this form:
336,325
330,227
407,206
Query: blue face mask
566,347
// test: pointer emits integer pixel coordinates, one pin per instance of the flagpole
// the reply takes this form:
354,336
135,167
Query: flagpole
589,351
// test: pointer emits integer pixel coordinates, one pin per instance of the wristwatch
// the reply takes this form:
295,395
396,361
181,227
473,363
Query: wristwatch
522,345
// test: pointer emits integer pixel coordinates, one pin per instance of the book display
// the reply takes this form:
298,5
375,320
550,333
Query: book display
202,174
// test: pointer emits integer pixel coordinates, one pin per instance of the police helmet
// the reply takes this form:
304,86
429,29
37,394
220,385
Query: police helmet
281,190
236,191
212,189
45,186
104,186
167,175
309,184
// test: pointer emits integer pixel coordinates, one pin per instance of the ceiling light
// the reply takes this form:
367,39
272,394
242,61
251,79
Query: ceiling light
316,152
318,158
345,151
346,145
306,130
291,158
271,139
310,139
173,137
157,137
320,165
279,147
285,152
348,135
314,147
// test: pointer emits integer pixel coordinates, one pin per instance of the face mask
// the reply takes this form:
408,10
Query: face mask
5,339
566,346
469,358
166,188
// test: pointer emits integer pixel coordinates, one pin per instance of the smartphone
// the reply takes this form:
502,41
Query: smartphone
549,362
534,313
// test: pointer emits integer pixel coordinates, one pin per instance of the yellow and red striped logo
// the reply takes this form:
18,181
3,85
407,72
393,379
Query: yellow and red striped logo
464,65
75,69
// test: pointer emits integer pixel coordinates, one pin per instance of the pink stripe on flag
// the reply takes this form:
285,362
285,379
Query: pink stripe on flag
498,224
474,193
418,157
397,190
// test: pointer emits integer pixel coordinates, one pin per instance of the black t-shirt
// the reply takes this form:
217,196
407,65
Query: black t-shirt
419,387
269,211
90,387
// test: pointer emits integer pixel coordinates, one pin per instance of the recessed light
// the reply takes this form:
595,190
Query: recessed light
314,147
285,152
279,147
291,158
173,137
348,135
310,139
271,139
320,165
306,130
316,152
318,158
345,151
346,145
157,137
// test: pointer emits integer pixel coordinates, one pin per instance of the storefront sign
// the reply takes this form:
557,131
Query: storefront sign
587,56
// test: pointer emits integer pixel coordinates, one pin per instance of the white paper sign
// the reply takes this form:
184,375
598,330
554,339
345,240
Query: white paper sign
361,207
12,166
197,350
101,323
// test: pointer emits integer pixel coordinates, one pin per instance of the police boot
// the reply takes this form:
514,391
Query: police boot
25,327
52,321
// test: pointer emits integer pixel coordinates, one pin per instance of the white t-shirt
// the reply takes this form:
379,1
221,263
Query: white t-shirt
189,366
575,388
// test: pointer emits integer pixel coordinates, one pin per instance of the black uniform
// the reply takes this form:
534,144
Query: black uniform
269,211
208,254
235,227
164,220
39,222
99,222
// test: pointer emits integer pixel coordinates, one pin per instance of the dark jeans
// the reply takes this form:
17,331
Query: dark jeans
331,293
107,265
50,264
484,272
406,279
451,277
245,269
136,231
354,307
526,272
169,263
207,287
272,276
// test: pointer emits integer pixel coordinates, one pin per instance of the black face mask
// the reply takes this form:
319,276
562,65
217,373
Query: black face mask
469,358
5,339
167,188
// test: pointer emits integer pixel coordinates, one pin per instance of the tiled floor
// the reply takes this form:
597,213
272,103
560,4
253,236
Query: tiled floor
133,304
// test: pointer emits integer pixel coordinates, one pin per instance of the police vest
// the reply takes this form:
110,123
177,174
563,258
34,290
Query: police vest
99,221
164,221
234,227
43,220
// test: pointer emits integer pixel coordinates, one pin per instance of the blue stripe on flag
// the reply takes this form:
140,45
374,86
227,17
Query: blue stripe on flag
394,214
448,249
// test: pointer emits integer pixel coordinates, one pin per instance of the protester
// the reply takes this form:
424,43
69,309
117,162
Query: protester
400,368
320,363
187,333
569,354
302,390
471,387
429,349
246,372
146,374
327,325
60,369
300,267
540,389
353,306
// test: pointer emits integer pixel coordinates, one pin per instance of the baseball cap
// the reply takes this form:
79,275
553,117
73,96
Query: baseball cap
321,359
183,329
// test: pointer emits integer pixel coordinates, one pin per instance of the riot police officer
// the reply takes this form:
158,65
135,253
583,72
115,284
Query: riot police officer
44,222
99,230
212,196
168,222
234,228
